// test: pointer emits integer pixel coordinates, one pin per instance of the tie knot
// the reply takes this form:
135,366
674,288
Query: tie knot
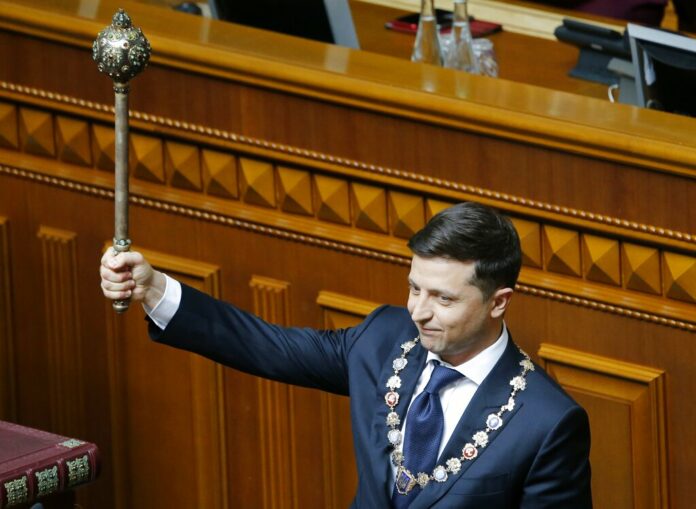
441,377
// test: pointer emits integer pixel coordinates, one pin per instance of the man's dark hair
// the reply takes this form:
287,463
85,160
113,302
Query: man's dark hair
473,232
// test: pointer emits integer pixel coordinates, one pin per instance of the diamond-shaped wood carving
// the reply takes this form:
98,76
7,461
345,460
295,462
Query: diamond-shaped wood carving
103,139
36,132
600,257
530,241
257,182
370,207
146,160
561,250
680,277
333,201
406,213
182,165
220,173
432,207
295,191
641,268
72,140
9,136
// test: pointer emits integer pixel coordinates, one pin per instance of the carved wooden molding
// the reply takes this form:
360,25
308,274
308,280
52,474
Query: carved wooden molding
340,311
345,304
207,395
8,395
631,399
627,303
509,119
276,408
283,155
62,314
366,210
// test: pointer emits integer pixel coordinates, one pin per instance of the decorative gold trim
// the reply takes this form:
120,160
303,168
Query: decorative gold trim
17,491
46,481
207,216
627,137
71,443
78,470
522,286
268,230
394,178
607,308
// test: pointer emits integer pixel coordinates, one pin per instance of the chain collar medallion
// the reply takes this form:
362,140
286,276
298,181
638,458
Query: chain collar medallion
405,479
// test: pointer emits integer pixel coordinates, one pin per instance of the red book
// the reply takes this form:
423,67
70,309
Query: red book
35,463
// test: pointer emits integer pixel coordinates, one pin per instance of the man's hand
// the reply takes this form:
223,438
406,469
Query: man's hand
129,275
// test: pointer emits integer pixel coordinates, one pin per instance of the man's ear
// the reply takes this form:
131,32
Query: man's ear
500,301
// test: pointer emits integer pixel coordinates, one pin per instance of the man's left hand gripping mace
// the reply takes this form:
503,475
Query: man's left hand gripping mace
122,52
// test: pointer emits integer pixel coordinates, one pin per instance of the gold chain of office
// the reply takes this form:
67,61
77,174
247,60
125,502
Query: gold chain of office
406,480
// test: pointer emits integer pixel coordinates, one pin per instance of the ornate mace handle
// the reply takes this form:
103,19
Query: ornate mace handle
122,52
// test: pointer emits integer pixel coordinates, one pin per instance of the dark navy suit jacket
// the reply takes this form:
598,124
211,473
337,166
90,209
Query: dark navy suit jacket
539,458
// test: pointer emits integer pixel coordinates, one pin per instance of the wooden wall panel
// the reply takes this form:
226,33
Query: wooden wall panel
316,179
167,413
277,449
64,336
8,407
650,271
627,408
340,474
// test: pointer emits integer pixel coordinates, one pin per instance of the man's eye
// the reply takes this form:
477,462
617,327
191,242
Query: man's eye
445,299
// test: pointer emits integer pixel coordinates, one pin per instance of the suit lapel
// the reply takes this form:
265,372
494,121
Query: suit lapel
409,377
493,392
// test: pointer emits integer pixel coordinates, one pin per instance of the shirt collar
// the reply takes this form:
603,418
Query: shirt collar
477,369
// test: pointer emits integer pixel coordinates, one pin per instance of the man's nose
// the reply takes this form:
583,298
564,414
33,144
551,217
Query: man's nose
422,311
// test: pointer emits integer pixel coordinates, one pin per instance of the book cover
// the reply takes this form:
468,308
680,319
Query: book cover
36,463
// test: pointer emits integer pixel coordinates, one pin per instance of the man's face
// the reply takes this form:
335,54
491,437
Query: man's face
452,317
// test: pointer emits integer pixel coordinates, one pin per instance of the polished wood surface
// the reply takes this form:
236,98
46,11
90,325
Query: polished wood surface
522,58
285,176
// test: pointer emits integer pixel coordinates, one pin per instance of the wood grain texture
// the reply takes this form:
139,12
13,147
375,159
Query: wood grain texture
627,406
62,312
151,389
340,479
571,240
277,450
261,59
580,179
8,407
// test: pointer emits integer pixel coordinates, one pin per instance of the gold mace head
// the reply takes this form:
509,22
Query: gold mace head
121,50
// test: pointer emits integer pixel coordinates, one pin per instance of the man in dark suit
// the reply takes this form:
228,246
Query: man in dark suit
447,411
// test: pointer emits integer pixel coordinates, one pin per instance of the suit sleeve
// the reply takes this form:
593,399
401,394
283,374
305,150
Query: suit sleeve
240,340
560,473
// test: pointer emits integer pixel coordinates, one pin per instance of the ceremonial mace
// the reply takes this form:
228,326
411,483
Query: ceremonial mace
122,52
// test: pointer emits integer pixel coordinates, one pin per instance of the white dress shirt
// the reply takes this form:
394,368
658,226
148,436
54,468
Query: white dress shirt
165,309
456,396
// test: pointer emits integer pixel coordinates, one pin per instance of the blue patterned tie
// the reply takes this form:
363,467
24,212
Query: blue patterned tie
425,422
